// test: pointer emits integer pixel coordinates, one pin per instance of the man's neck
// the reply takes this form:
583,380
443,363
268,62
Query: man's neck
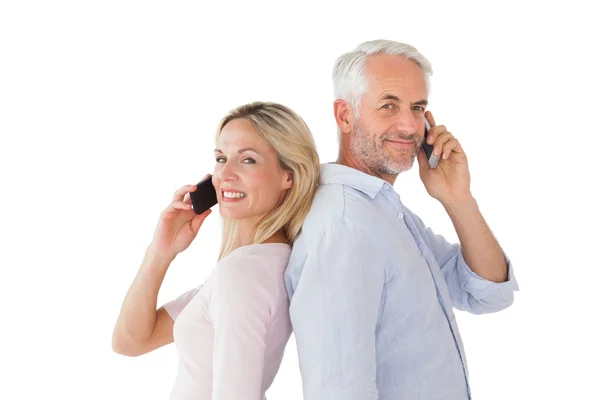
345,158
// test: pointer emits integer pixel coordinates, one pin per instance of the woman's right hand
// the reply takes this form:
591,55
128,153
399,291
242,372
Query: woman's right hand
178,225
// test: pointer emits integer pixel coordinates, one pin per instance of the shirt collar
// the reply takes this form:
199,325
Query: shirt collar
341,174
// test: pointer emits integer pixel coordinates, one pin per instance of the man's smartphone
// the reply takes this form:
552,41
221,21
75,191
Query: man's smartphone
205,196
428,148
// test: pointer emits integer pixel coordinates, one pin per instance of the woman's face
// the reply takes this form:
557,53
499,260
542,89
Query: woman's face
247,178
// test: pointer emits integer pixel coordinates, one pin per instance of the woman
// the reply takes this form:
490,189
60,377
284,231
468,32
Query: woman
230,332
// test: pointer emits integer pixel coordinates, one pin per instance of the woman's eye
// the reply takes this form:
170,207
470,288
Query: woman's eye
248,161
220,159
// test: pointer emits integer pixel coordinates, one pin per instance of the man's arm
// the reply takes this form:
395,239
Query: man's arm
480,248
479,276
334,312
469,290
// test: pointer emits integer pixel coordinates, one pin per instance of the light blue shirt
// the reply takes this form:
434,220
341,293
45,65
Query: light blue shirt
372,291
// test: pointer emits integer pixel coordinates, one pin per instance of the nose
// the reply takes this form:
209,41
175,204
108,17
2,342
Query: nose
406,121
226,172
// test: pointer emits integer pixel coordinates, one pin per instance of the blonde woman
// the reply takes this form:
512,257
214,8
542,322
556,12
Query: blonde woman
231,332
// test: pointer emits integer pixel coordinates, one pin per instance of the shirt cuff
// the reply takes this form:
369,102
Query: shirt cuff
480,287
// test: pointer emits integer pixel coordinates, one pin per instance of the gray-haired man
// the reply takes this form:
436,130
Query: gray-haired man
371,287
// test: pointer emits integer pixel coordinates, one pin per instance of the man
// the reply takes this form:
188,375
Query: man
371,288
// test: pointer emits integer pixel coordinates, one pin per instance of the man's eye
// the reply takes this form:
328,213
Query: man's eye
220,159
388,106
418,108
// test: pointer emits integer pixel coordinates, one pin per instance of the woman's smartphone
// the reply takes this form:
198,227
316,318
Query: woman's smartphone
205,196
428,148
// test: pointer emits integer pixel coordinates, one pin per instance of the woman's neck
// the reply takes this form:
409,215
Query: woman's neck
246,230
279,237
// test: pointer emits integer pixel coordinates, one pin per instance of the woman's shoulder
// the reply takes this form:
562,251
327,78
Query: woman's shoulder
255,259
251,273
271,250
257,254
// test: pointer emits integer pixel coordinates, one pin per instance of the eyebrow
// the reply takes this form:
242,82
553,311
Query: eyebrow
396,98
240,150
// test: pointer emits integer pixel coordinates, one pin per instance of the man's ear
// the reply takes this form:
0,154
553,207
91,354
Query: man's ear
344,116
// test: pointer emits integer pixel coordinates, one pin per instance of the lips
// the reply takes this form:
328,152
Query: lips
403,144
232,194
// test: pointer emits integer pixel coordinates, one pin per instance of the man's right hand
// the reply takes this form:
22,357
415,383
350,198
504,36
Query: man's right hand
178,225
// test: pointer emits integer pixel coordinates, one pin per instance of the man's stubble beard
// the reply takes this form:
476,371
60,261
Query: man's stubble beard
380,159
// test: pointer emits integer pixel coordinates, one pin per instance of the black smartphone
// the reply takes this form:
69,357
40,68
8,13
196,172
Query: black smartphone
428,148
205,196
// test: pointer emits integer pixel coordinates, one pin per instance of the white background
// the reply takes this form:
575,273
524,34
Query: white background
108,107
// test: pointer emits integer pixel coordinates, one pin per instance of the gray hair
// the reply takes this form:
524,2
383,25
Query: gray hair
349,79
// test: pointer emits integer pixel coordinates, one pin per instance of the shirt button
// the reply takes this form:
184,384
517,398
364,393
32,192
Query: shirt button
400,215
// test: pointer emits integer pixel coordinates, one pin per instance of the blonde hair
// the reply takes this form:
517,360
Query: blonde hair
287,133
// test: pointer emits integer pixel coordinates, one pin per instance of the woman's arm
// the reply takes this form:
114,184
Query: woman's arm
140,327
243,298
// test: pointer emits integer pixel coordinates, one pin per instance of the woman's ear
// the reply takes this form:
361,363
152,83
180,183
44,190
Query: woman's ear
289,180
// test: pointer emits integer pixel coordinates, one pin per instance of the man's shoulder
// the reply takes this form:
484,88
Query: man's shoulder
327,207
333,204
336,211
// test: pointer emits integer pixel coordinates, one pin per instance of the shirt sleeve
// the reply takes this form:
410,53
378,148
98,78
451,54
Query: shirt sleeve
174,307
242,301
469,291
334,312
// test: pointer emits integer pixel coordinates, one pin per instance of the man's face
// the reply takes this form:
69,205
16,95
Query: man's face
390,126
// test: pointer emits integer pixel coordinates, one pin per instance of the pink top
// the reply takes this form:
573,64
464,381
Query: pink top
231,332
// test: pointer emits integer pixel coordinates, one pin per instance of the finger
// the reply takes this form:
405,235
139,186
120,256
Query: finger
434,132
181,205
171,211
187,199
199,219
440,141
180,193
429,117
449,147
177,205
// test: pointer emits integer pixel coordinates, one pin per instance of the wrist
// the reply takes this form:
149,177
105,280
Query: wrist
157,258
457,206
